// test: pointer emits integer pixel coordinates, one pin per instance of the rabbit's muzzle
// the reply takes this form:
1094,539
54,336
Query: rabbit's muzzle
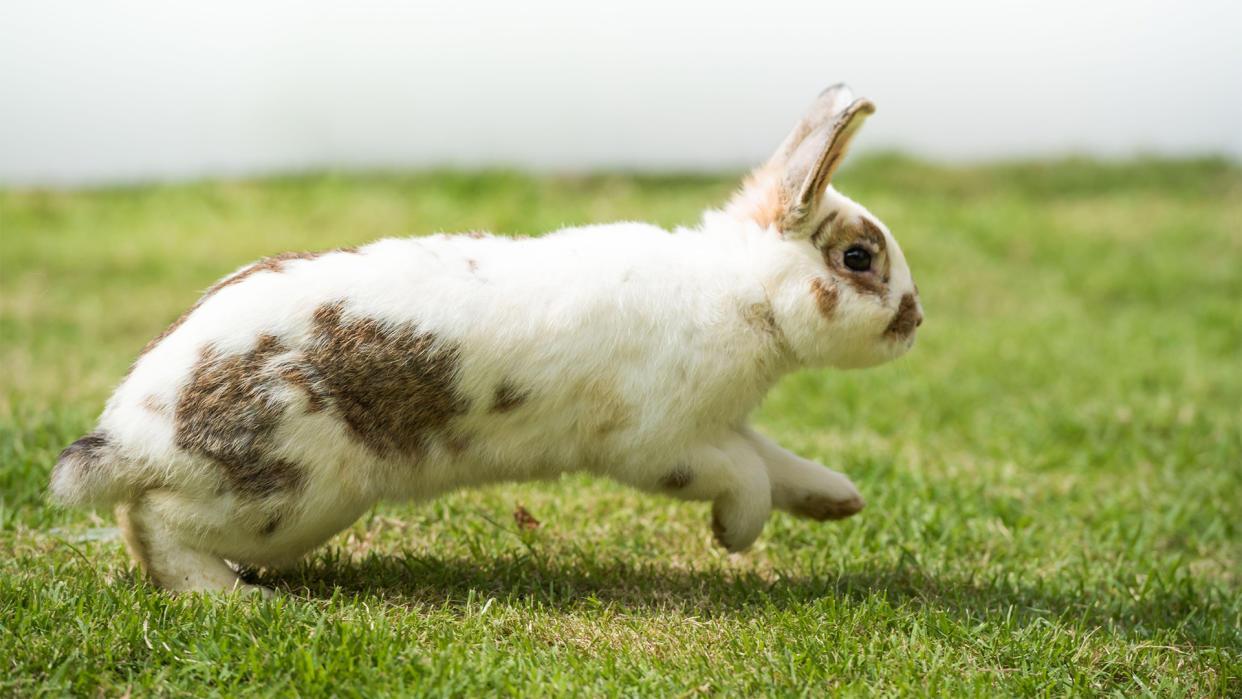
908,317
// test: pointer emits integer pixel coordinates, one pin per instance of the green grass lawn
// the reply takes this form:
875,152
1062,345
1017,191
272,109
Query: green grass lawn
1054,473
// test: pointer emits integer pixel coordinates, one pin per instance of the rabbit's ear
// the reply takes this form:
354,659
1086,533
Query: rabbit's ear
786,191
808,169
830,102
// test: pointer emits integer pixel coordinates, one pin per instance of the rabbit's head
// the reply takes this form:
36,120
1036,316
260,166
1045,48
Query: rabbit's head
841,292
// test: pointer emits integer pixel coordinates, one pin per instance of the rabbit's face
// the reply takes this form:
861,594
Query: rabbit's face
861,306
847,299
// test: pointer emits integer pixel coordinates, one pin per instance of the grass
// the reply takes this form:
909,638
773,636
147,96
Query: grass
1054,474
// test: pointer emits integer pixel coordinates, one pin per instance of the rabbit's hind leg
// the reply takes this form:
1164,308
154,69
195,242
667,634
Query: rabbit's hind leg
168,557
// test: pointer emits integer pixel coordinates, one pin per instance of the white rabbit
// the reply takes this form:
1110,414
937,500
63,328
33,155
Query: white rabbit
304,388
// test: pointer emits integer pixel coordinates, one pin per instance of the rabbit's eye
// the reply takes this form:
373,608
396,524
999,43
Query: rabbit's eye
858,259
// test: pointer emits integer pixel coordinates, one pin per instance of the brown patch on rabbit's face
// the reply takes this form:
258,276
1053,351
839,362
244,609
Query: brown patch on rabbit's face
826,296
393,386
508,397
228,413
907,318
834,239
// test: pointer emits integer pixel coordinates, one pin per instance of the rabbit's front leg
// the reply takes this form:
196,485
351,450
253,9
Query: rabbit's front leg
729,473
803,487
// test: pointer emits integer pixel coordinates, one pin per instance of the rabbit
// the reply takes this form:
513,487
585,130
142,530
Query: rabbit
304,388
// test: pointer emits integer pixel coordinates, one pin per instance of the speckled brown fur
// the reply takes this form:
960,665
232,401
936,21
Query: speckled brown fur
270,264
86,452
677,479
818,235
826,296
761,199
906,319
508,397
761,319
607,411
228,413
154,405
457,445
306,378
843,235
393,386
272,525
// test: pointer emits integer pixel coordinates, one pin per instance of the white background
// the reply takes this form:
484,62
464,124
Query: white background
109,90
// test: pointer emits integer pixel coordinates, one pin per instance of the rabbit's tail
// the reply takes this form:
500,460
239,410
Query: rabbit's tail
86,473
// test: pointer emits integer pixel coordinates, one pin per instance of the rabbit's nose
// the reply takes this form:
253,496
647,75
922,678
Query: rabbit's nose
909,315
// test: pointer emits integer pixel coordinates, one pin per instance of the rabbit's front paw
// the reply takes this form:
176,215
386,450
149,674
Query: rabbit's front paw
739,517
821,494
822,507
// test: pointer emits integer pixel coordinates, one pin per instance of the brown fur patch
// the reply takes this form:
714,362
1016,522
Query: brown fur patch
818,235
826,297
457,445
820,508
607,411
154,405
760,199
761,319
677,479
866,233
393,386
272,525
305,378
270,264
472,264
508,397
869,231
906,319
228,413
85,453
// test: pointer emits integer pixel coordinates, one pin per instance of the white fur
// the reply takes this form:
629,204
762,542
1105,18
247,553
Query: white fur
595,322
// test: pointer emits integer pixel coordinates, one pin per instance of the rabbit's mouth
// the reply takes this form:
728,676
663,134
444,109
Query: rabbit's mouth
908,317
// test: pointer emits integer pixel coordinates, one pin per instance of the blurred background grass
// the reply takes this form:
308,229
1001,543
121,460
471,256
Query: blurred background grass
1054,472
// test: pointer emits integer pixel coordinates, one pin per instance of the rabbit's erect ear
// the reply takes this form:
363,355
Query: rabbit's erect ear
830,102
786,191
809,168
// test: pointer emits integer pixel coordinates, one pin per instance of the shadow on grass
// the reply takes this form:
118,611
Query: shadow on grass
1196,613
